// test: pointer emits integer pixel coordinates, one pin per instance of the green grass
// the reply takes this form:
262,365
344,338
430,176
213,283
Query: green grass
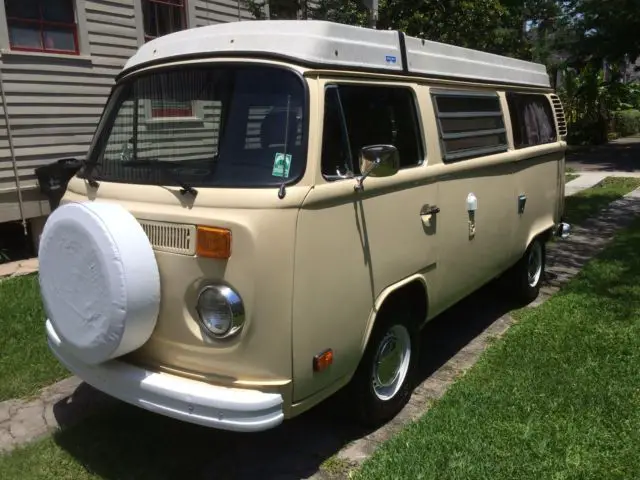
26,365
584,204
557,398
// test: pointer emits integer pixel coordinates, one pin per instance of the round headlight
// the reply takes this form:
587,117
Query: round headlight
221,311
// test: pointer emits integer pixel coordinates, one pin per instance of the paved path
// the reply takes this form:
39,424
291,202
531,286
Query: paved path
622,155
319,444
15,269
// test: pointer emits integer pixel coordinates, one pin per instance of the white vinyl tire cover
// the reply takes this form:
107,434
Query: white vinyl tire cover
99,280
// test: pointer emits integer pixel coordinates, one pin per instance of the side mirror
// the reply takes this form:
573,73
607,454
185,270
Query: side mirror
378,161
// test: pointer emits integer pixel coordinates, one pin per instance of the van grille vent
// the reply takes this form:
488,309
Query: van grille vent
171,237
560,117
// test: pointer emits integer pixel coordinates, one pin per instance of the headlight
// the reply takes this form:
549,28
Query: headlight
221,311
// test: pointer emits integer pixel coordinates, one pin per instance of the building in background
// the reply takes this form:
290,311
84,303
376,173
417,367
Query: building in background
58,61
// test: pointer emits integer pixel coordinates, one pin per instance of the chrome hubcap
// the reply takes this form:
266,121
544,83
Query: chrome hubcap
534,264
391,362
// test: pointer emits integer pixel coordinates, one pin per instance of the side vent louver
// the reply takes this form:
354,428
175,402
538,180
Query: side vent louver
560,118
171,237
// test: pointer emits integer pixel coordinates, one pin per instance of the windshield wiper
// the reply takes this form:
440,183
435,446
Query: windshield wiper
165,165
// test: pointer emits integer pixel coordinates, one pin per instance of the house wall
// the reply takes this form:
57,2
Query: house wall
54,101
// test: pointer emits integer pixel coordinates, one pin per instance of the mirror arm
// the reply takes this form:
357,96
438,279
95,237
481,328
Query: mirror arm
358,187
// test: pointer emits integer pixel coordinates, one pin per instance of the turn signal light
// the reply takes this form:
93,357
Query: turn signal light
322,361
213,242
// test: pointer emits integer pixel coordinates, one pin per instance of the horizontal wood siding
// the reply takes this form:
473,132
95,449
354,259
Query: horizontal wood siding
54,102
210,12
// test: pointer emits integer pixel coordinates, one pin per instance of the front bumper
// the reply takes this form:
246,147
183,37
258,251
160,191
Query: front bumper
235,409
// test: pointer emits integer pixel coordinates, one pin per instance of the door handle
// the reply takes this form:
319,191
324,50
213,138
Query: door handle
429,210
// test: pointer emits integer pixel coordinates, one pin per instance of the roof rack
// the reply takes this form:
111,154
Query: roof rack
322,44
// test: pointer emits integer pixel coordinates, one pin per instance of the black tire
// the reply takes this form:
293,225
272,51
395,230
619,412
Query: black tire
370,409
524,288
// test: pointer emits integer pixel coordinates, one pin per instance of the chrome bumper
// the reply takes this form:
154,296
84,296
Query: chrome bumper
235,409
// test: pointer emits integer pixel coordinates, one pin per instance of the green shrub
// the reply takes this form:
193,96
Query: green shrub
588,131
627,122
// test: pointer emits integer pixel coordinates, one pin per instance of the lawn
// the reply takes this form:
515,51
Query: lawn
26,365
557,398
582,205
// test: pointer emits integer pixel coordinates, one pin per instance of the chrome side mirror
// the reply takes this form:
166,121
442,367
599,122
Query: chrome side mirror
377,161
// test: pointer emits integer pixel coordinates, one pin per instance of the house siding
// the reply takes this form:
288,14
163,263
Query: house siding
54,101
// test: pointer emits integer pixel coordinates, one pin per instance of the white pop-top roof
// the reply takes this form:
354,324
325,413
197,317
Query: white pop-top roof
333,45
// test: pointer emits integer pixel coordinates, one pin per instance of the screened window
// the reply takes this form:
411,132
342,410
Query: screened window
42,26
470,124
357,116
252,133
531,120
161,17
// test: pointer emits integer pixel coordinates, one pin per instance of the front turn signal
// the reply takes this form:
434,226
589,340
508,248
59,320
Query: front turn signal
213,242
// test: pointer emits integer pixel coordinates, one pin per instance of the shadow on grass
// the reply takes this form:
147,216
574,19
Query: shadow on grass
587,203
122,441
614,276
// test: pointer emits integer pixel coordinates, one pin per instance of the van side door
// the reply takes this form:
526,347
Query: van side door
477,190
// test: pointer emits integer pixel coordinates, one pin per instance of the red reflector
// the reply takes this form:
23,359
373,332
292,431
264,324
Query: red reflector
321,362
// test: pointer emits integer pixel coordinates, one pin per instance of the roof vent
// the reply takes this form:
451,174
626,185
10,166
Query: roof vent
560,118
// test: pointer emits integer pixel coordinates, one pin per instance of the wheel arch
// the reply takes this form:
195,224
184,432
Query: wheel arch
411,292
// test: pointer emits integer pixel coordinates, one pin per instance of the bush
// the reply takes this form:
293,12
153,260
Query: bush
627,122
588,131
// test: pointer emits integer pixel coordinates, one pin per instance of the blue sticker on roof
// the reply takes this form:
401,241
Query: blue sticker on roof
391,59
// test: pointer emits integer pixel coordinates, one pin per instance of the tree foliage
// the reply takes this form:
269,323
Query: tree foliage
572,37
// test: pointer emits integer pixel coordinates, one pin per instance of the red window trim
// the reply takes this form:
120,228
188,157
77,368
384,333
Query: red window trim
42,24
171,112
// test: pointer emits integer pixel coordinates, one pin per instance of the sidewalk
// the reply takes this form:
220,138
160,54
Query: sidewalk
16,269
588,179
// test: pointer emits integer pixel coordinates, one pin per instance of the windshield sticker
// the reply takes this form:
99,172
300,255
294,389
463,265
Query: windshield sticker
281,165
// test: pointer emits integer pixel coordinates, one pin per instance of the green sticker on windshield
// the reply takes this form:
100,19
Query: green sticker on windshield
281,165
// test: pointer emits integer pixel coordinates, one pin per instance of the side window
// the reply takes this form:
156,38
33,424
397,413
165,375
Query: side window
370,115
470,124
42,26
336,159
531,120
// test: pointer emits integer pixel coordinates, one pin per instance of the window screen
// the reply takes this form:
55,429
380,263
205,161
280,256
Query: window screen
531,120
357,116
470,124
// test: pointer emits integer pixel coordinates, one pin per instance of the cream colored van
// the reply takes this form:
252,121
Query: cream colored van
270,211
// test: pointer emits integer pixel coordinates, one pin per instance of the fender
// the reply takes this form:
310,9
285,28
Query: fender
383,296
539,228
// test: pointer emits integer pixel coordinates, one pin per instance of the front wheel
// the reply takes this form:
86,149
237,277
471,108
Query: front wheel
384,380
526,276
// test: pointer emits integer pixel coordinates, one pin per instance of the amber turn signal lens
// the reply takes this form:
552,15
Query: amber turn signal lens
213,242
321,362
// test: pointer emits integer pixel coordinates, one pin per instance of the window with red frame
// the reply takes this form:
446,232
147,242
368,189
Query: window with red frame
162,17
42,26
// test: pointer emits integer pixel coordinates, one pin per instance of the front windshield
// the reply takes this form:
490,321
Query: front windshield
205,126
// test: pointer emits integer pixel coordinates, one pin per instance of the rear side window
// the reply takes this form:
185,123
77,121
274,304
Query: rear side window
531,120
470,124
357,116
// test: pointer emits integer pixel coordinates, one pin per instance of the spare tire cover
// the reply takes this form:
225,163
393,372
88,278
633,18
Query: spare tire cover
99,280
